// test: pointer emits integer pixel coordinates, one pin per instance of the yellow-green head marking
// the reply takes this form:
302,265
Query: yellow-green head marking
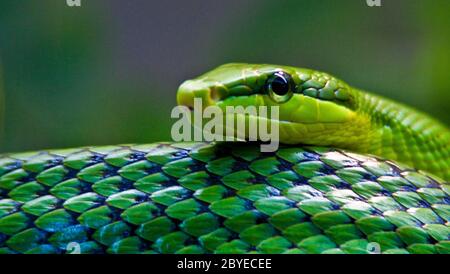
316,108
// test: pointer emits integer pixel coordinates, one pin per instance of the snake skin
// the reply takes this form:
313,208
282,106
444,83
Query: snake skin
206,198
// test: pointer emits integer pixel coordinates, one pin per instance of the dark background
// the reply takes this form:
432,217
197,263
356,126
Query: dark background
107,72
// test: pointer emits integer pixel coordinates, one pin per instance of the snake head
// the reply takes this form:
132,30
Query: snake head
314,107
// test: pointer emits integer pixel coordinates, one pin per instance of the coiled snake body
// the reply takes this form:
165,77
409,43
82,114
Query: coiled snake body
321,192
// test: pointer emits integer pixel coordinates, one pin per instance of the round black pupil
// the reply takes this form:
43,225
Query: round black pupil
280,85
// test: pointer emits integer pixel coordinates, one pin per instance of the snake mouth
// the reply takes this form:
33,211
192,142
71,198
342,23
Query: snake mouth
264,129
243,128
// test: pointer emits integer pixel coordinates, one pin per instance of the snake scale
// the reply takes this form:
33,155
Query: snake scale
356,173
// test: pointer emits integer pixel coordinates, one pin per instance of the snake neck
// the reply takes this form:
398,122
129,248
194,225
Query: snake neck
406,135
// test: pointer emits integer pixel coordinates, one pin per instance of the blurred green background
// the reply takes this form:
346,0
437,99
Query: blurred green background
107,72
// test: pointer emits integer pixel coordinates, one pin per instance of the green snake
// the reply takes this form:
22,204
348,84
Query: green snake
357,173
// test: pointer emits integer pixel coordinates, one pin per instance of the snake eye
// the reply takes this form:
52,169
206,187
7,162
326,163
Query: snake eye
279,87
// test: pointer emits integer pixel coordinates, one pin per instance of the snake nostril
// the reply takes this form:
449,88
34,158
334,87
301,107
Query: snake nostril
217,93
215,96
